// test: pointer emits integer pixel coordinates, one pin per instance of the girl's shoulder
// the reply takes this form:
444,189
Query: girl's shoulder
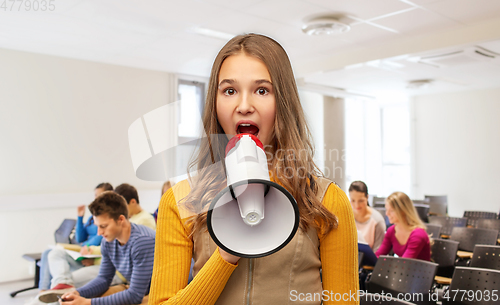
334,198
419,233
177,192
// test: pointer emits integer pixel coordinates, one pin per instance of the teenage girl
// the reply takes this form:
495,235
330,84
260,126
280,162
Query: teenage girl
407,237
252,90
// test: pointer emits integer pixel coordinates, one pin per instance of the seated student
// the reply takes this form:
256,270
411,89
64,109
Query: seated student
86,235
369,222
126,247
136,215
407,237
135,212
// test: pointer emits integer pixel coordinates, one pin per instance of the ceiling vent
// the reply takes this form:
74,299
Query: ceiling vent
420,83
326,25
470,55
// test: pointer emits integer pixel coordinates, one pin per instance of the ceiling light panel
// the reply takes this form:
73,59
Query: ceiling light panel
417,21
467,11
294,13
364,9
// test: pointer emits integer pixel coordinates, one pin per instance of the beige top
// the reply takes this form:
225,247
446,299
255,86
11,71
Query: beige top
373,230
144,218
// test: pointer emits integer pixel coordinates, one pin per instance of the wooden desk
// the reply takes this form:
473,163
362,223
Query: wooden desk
464,254
445,236
442,280
368,267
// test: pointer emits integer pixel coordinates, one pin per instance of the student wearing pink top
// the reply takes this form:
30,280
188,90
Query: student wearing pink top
407,237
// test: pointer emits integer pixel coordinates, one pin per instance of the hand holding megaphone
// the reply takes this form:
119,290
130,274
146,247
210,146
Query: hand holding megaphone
253,216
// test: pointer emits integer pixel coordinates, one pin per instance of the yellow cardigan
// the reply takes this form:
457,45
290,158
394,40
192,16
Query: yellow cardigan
173,252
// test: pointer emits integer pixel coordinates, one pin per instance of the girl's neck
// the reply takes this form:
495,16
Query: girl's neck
403,227
363,216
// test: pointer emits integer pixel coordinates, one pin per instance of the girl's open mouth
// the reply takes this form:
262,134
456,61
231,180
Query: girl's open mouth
248,128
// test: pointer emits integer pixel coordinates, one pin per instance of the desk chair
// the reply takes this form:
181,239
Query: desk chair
438,205
468,281
423,211
474,216
447,223
63,234
378,202
487,257
433,230
492,224
444,253
402,275
470,237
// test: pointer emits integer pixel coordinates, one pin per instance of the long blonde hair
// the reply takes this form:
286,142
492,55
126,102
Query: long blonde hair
405,210
291,147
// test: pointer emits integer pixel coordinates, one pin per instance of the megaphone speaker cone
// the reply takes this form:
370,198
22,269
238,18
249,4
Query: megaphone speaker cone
236,236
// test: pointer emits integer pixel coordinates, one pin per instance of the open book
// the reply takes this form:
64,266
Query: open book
78,257
74,252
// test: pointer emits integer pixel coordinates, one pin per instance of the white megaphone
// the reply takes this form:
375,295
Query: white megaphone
252,217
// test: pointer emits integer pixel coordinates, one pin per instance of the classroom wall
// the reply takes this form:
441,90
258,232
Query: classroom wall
456,142
64,126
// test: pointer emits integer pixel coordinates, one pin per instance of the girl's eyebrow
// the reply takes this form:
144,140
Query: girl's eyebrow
232,81
262,81
229,81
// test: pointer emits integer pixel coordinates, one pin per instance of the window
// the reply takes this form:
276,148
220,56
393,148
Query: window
378,145
189,125
363,147
191,95
396,149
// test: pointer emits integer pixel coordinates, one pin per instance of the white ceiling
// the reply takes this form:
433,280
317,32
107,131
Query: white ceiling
157,34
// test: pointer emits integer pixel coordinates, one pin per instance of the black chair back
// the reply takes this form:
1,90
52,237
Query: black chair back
469,237
377,299
402,275
472,285
447,223
423,211
487,257
434,231
492,224
438,205
444,253
63,233
378,202
474,216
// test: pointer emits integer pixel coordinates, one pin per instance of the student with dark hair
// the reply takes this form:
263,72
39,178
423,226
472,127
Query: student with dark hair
86,235
135,212
126,247
369,222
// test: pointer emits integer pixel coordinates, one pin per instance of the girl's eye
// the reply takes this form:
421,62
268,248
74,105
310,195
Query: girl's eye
229,91
262,91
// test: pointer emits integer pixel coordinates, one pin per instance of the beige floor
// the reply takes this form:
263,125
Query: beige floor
23,298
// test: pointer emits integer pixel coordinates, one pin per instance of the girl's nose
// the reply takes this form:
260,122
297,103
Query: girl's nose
245,104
